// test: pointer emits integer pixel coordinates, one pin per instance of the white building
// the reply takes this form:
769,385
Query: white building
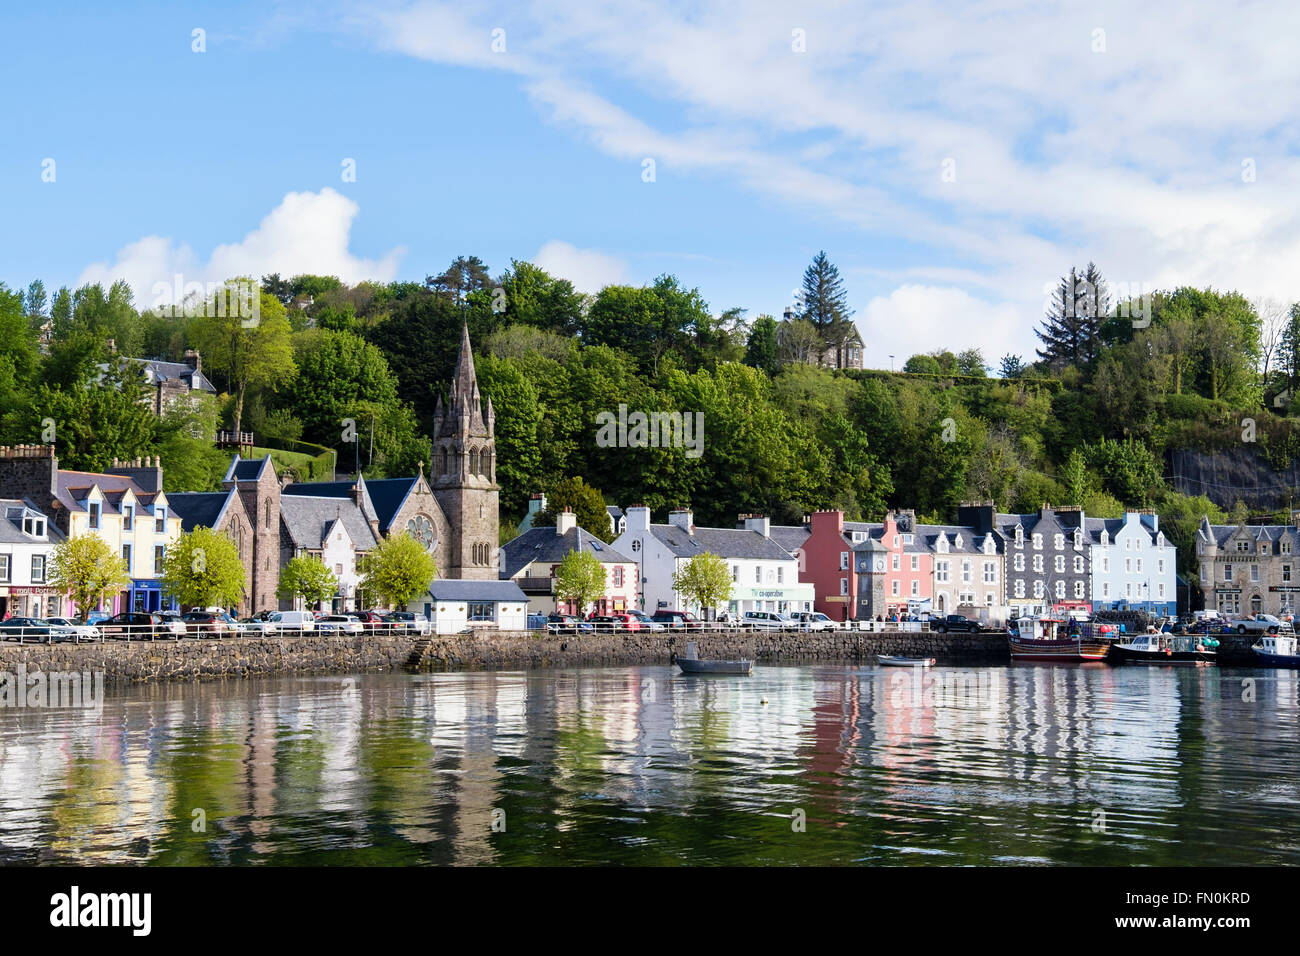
454,605
27,542
764,575
332,530
1133,564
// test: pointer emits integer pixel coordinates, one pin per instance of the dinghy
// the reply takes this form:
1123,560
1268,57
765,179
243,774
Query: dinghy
691,664
888,661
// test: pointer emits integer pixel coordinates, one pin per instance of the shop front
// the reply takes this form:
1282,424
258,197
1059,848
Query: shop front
783,599
30,602
146,595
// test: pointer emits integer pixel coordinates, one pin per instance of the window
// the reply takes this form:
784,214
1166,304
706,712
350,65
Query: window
1254,572
1078,564
758,574
482,610
34,526
159,552
1286,574
941,571
844,560
1160,566
4,566
1105,589
1059,564
1105,564
916,588
990,572
618,576
1060,589
1078,589
38,569
1058,541
126,557
916,562
1020,537
636,545
160,520
1128,565
1286,547
1038,589
128,517
1227,572
338,568
1038,564
1078,538
1243,546
844,585
735,573
780,575
93,508
1020,589
1038,542
1263,549
965,572
893,587
1162,590
895,541
895,562
1020,562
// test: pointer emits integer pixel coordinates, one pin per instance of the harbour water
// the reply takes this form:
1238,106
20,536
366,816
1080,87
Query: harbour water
1054,764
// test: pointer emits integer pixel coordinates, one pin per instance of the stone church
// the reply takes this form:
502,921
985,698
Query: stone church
453,512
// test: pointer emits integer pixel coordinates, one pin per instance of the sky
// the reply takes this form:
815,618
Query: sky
953,163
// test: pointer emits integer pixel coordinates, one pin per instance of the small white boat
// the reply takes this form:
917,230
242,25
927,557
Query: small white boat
888,661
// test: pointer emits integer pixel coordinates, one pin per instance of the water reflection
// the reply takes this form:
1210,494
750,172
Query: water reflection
1068,764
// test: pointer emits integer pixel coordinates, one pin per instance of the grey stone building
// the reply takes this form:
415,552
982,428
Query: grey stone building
1250,569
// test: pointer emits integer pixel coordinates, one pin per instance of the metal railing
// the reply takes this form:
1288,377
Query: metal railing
164,632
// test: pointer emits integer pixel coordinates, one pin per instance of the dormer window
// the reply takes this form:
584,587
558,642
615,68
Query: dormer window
1020,537
1078,538
1105,537
33,525
92,509
160,520
958,542
942,545
128,517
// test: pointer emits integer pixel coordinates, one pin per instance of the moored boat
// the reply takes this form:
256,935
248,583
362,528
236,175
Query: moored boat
1276,650
888,661
1050,639
1162,649
691,664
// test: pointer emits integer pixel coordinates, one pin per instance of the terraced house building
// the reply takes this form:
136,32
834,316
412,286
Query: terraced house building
1132,564
125,506
1250,569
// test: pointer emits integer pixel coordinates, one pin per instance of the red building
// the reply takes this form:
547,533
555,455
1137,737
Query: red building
828,563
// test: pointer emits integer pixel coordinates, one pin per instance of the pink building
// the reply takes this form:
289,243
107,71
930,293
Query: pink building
827,564
893,567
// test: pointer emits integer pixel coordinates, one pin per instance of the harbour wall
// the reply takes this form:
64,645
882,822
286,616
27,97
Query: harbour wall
239,657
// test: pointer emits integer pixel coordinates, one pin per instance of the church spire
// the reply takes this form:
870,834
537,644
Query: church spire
464,404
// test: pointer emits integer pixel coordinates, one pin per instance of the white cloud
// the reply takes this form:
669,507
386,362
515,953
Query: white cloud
920,318
587,269
306,233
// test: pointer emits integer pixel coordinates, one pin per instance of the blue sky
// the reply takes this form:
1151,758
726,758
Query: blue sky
1063,144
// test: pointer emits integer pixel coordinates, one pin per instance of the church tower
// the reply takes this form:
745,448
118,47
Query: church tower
463,475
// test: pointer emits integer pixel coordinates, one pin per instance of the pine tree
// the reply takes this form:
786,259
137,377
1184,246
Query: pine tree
825,301
1071,329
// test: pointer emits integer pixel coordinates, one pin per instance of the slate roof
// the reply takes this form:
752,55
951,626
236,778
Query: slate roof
790,537
544,545
307,519
448,589
1272,533
247,469
724,542
971,543
343,490
199,509
168,371
71,488
11,527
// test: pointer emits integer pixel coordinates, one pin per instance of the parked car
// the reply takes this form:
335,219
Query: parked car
647,622
1261,624
567,624
680,620
339,624
23,629
409,621
205,624
370,620
812,621
536,622
768,620
173,624
614,622
955,622
136,625
84,631
94,617
281,621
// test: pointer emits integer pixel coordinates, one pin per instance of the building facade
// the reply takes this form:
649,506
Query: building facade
531,560
1249,569
1132,564
27,541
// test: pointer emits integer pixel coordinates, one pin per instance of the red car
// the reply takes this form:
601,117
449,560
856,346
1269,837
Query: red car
371,620
614,622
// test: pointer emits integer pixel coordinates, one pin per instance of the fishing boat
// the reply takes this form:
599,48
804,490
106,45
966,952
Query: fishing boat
1055,639
1162,649
691,664
888,661
1276,650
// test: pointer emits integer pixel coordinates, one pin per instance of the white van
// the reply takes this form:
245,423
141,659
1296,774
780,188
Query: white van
768,620
289,621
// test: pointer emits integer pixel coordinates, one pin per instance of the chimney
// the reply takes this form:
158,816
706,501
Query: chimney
788,314
977,515
832,521
760,523
638,518
29,471
145,472
565,522
193,360
682,518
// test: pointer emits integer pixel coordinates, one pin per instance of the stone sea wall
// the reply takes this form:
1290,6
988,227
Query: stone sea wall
212,659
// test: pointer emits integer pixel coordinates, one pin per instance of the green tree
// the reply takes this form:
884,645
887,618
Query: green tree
518,414
761,349
580,578
306,577
335,370
250,352
704,580
825,301
586,503
397,570
88,570
1011,366
202,569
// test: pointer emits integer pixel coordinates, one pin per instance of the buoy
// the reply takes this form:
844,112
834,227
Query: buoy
764,701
